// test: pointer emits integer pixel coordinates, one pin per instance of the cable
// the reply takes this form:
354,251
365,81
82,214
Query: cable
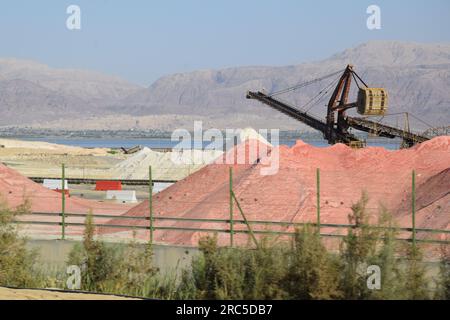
304,84
362,81
325,91
403,113
318,97
429,125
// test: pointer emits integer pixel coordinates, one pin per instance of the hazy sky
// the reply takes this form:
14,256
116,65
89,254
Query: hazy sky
143,40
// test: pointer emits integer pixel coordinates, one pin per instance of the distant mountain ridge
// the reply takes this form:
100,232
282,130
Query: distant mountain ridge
91,85
416,75
31,92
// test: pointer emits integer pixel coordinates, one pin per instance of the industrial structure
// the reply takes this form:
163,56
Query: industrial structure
335,127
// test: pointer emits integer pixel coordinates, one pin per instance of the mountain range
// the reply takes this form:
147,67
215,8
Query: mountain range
416,75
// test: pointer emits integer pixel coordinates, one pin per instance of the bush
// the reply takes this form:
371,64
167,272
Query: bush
358,250
17,263
416,282
305,269
217,273
234,273
367,245
392,277
301,269
96,260
313,271
135,269
265,269
444,274
112,269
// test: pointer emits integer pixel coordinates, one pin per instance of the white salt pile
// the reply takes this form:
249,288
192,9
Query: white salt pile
252,134
173,165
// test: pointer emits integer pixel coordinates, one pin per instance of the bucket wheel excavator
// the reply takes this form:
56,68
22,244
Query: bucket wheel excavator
335,127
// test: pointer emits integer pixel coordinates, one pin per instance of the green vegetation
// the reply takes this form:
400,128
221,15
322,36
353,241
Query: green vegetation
17,263
444,275
310,264
97,261
112,269
303,268
364,246
234,273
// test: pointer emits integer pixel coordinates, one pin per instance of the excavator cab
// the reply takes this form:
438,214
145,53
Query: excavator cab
372,101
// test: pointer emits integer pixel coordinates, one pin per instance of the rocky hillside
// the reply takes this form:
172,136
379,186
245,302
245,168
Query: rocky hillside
416,75
33,92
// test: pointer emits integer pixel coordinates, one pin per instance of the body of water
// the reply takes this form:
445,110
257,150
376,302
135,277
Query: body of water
167,143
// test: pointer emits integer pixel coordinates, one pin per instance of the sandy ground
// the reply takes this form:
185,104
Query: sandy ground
34,294
34,158
18,144
42,159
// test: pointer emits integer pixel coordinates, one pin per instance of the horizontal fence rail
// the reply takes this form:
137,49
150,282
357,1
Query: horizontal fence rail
131,182
223,221
231,222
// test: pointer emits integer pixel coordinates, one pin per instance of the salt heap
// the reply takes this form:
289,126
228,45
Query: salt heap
252,134
174,165
290,194
15,190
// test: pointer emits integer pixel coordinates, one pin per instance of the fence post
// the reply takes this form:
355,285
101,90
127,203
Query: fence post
413,206
245,220
231,207
63,203
318,199
150,201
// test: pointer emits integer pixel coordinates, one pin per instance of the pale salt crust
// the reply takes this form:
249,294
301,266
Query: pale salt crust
174,165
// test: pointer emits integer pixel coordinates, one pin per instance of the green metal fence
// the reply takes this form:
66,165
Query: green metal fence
249,223
231,222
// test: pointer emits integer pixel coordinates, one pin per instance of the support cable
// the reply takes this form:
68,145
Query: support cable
304,84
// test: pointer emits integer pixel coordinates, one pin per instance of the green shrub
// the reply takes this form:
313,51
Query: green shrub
219,272
392,277
305,269
444,274
234,273
96,260
265,268
17,263
135,269
113,269
300,269
312,272
416,282
358,250
367,245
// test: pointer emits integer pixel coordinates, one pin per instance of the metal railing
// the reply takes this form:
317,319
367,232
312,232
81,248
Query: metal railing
231,222
229,229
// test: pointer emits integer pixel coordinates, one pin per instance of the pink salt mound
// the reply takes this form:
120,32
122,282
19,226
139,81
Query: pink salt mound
290,194
15,189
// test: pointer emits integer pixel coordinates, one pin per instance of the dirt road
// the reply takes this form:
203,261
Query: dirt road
34,294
